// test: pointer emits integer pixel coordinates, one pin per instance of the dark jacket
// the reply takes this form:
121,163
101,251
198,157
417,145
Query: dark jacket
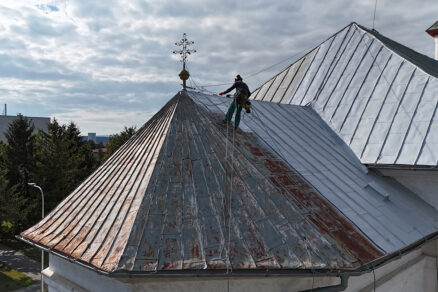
242,92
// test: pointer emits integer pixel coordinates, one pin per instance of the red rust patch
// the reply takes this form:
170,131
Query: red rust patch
273,166
323,215
286,180
254,150
195,251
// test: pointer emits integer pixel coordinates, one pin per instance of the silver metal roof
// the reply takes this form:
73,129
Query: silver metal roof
390,215
162,203
380,97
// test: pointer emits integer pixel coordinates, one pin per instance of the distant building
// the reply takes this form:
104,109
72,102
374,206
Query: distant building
40,123
91,137
96,139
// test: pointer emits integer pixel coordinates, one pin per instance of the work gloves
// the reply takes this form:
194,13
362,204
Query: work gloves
222,93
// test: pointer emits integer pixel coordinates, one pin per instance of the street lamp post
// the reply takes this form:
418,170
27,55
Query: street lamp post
42,217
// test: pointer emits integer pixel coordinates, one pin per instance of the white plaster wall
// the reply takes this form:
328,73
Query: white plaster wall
56,283
424,183
65,273
414,272
419,277
290,284
436,48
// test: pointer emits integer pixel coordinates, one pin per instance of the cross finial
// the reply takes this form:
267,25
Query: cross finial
184,52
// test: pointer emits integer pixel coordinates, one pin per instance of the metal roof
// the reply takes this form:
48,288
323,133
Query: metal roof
379,96
386,212
162,203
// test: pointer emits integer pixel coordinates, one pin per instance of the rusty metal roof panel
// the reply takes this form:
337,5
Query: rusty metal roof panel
386,213
180,195
93,223
379,96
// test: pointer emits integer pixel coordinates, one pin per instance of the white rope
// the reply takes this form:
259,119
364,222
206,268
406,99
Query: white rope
280,153
229,205
227,241
228,248
225,196
375,9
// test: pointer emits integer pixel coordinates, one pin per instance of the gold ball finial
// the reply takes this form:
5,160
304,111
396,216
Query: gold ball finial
184,75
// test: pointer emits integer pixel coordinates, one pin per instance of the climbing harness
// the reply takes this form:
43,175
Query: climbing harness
248,107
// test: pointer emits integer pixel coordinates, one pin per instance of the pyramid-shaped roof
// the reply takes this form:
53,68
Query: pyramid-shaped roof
379,96
162,203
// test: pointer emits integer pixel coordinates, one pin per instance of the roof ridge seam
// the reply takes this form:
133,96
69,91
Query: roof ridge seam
394,51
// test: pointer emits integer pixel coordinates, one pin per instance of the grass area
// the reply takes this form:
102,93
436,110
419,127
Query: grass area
26,249
11,279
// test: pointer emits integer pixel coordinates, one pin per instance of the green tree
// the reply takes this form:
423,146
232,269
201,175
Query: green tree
115,141
3,188
18,166
92,144
19,151
63,161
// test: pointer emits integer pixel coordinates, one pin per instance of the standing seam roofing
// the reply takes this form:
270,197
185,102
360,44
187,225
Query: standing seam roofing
388,214
376,94
161,203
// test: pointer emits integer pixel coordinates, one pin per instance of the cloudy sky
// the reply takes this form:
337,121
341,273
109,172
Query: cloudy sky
108,64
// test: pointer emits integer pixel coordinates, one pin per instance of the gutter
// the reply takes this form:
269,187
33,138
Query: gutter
341,287
342,274
403,167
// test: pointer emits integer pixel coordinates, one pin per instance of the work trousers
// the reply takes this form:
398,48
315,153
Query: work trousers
230,113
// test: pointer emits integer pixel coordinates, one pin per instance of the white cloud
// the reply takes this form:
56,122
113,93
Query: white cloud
81,59
104,123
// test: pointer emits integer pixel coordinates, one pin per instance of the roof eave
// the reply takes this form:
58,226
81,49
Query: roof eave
433,32
432,28
365,268
403,166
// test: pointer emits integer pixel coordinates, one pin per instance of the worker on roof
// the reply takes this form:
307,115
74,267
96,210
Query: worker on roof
239,101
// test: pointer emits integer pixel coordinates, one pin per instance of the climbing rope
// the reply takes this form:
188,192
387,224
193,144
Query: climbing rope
302,52
228,231
375,10
229,202
279,152
225,199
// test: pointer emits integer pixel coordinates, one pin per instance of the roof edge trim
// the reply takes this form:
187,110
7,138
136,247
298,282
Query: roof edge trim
403,167
382,39
366,268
